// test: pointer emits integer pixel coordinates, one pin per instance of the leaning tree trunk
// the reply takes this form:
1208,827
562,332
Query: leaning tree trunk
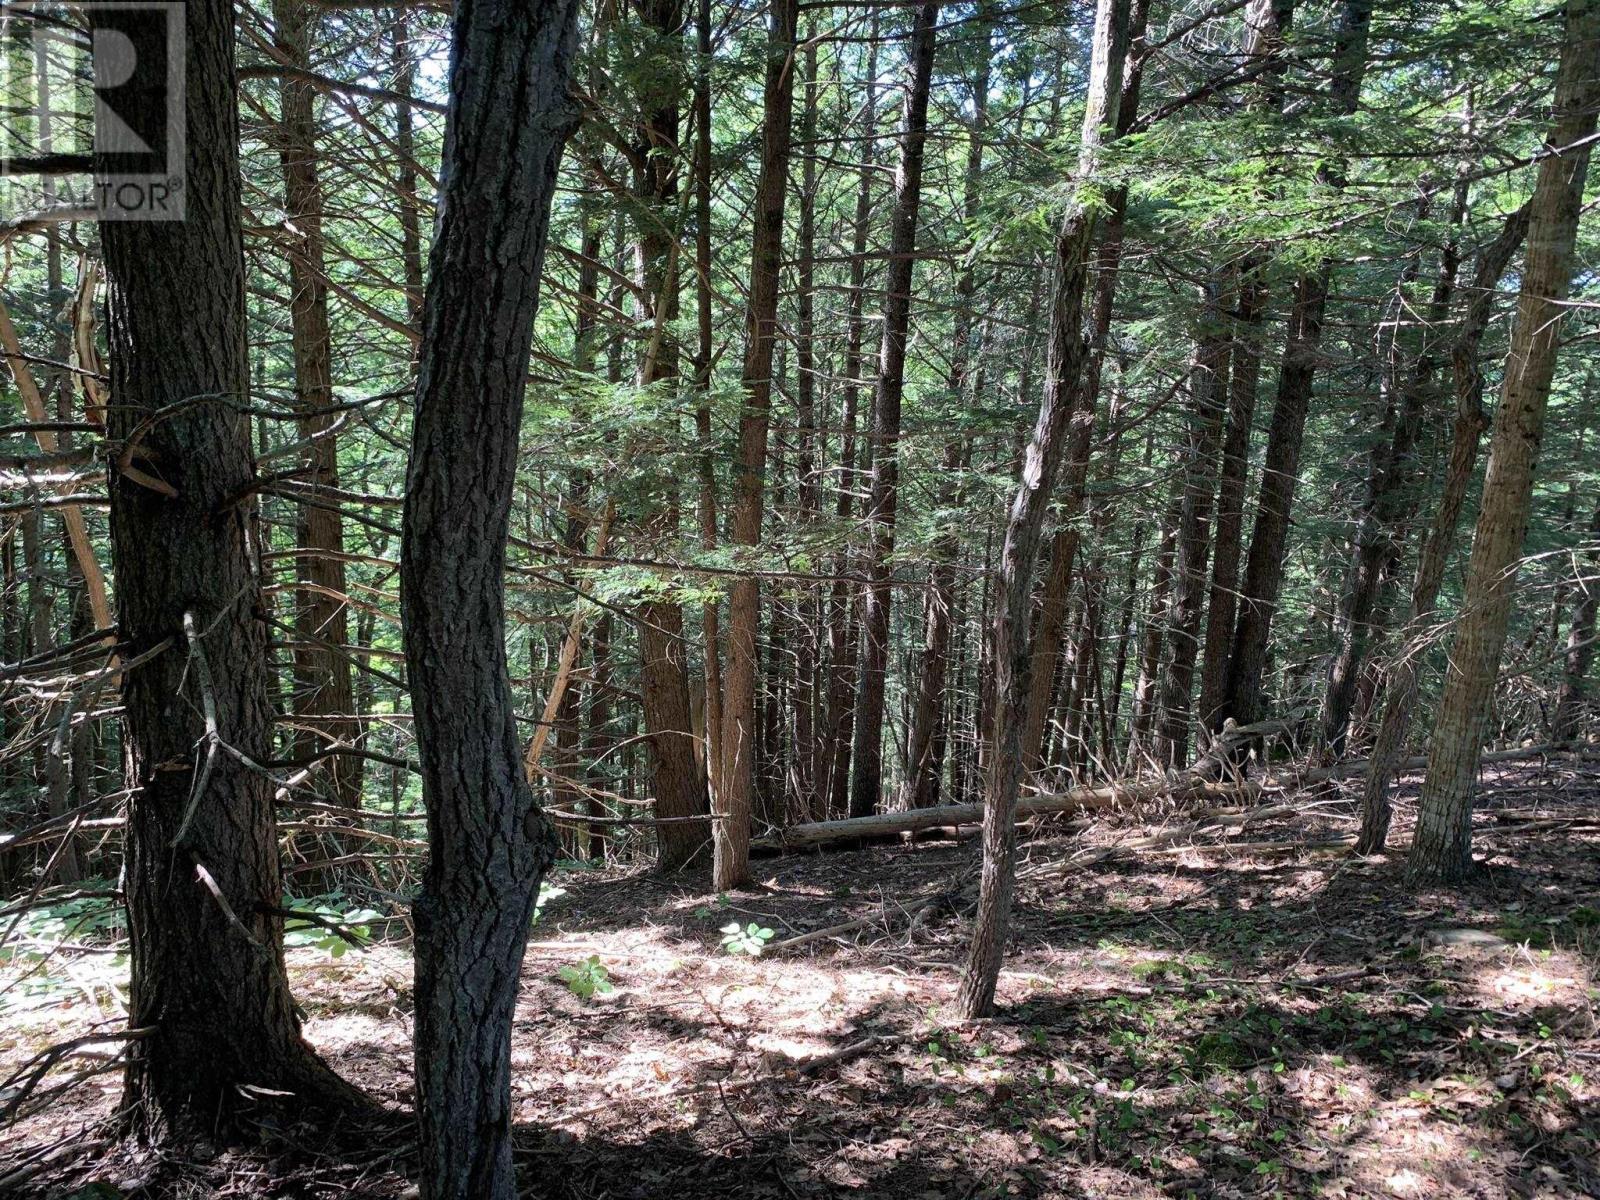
488,843
736,780
1400,695
866,770
1442,847
1050,626
201,868
1025,521
1384,506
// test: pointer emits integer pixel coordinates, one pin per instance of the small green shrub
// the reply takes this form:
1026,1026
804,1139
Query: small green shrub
587,979
748,939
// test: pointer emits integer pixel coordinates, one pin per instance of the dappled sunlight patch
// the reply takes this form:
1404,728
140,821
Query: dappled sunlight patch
1530,980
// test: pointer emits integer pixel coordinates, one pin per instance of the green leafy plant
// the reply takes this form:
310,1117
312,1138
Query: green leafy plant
748,939
587,979
314,928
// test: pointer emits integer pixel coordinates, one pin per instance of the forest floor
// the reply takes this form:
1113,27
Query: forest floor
1251,1012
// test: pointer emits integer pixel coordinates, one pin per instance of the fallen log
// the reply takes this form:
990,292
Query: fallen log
1097,798
1094,798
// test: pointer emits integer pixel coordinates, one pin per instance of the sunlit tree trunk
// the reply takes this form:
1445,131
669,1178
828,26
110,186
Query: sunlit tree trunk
1025,521
1442,847
1400,694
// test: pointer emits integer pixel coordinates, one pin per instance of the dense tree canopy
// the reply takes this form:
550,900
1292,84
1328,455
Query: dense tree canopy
672,428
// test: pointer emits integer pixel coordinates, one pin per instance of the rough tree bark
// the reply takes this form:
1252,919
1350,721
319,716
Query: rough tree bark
1056,590
201,865
1067,354
508,120
1266,22
321,667
924,739
866,767
1263,574
736,779
804,609
1442,847
1222,603
1400,695
1208,382
680,782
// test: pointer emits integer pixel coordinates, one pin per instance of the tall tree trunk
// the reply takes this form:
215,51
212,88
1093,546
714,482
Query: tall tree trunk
731,858
843,645
710,632
1208,383
489,844
322,667
1400,696
680,784
201,868
1222,605
1263,575
1572,700
1025,521
1057,588
924,758
1442,847
1383,506
866,768
805,611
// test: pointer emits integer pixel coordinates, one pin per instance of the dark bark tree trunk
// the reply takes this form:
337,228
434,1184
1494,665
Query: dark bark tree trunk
1222,605
710,630
866,768
1208,383
1405,674
488,843
1384,504
1572,700
1057,588
838,732
1263,575
201,865
680,783
924,757
321,668
1442,847
1025,520
737,778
